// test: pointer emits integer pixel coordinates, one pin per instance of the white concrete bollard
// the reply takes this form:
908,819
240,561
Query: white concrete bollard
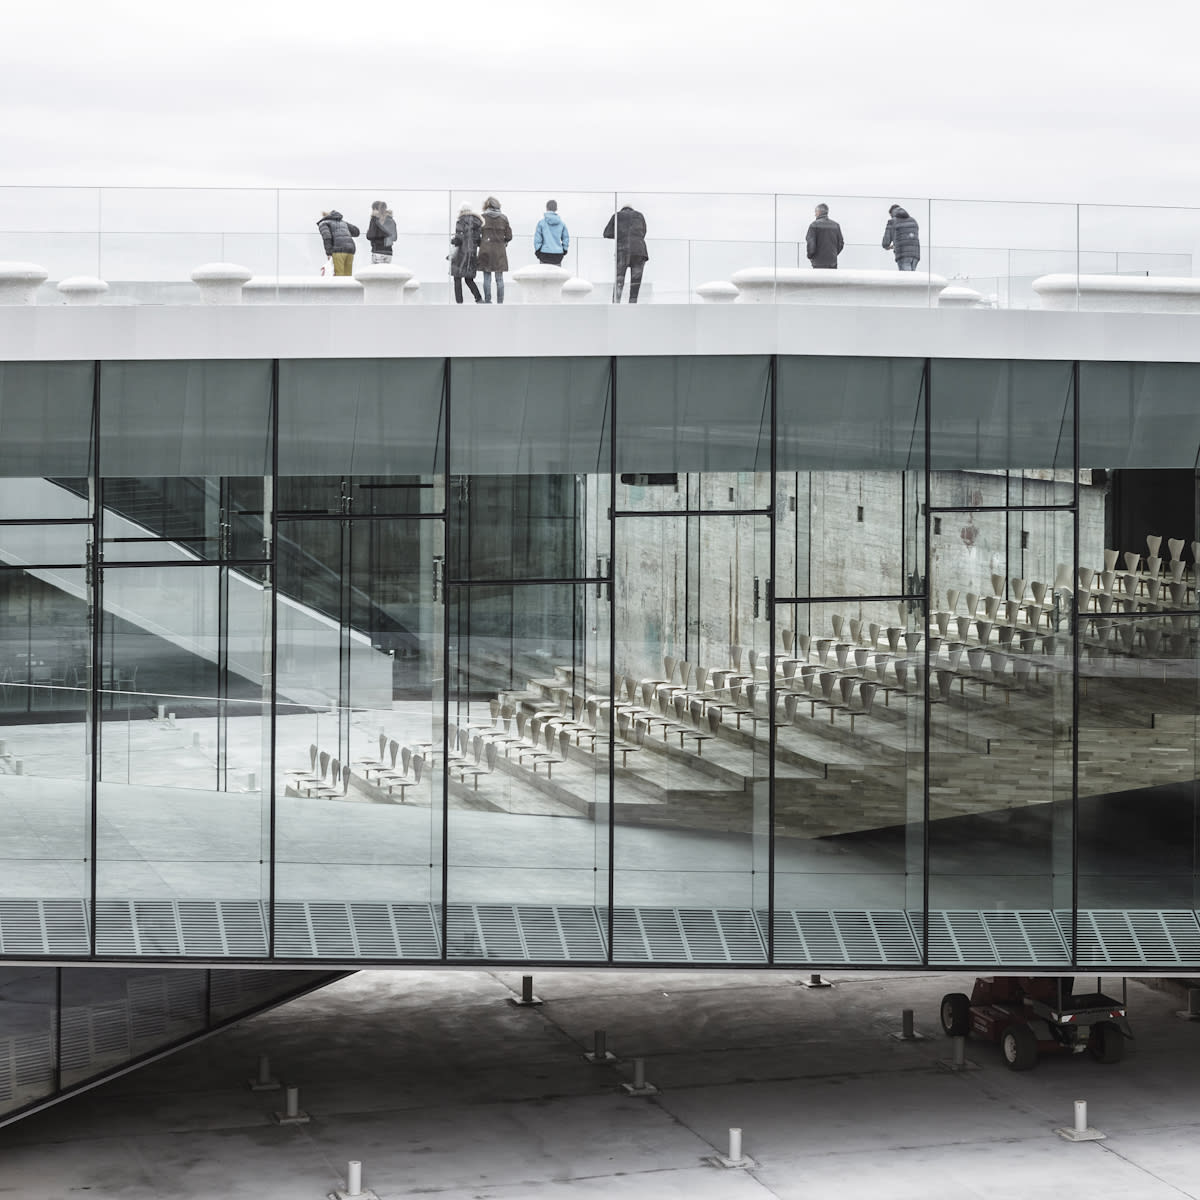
959,297
541,283
960,1051
221,283
576,291
383,283
291,1100
1080,1116
19,282
717,292
162,712
354,1178
264,1069
639,1073
527,999
1081,1131
82,289
252,782
171,720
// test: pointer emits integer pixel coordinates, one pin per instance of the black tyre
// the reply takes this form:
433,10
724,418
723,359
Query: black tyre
1107,1043
956,1014
1020,1048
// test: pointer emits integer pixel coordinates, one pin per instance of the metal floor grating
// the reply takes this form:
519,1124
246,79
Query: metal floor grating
344,931
970,937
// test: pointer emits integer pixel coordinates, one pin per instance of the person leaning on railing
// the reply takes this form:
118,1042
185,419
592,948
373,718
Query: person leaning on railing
338,236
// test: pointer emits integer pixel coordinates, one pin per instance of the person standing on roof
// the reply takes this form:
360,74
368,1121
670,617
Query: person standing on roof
338,236
628,228
381,232
824,239
464,259
550,238
903,235
493,249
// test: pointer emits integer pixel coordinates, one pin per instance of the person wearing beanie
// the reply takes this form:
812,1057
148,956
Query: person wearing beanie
550,238
903,236
464,261
381,232
493,249
824,239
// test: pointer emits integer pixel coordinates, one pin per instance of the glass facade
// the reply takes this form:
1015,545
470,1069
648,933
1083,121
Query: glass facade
66,1028
751,659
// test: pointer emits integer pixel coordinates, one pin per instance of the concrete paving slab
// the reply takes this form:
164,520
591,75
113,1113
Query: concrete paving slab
439,1086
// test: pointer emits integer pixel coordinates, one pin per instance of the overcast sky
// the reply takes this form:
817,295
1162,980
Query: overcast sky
1063,100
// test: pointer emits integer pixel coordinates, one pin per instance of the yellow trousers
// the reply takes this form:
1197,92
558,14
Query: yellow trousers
343,264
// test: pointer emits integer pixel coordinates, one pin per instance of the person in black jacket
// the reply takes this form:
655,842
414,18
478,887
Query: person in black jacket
381,232
628,228
903,235
464,261
824,239
338,236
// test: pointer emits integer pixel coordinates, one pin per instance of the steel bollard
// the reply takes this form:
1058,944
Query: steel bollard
354,1178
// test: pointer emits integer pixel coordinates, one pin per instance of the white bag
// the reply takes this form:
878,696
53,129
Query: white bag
327,269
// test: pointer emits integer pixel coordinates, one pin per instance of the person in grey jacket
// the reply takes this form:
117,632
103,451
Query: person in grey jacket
823,242
903,235
337,235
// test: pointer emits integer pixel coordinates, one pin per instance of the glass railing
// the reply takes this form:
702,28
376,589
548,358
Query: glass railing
145,243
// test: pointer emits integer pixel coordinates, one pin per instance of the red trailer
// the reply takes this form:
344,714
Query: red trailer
1031,1016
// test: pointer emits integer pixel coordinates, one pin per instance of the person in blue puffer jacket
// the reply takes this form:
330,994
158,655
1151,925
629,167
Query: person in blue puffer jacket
550,238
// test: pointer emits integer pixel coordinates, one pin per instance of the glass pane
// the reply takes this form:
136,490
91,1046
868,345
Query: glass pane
678,415
28,1025
384,451
692,647
45,430
111,1016
184,455
44,776
183,813
358,726
526,766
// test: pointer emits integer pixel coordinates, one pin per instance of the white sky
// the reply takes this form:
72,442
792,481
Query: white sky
1065,100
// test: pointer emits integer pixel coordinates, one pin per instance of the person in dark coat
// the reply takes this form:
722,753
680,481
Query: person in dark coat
628,229
338,236
903,235
824,239
381,232
493,249
464,262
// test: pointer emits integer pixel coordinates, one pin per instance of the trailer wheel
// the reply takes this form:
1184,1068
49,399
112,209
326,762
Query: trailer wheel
956,1014
1107,1043
1020,1048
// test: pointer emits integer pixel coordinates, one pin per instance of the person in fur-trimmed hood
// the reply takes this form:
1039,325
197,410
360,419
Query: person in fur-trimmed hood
493,249
464,261
381,232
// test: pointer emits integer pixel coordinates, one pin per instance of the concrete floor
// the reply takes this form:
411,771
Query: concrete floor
441,1087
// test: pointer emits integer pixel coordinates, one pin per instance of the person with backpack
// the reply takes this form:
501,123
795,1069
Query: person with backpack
903,235
381,232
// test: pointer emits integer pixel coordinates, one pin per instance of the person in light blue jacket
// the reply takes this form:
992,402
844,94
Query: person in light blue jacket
550,238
